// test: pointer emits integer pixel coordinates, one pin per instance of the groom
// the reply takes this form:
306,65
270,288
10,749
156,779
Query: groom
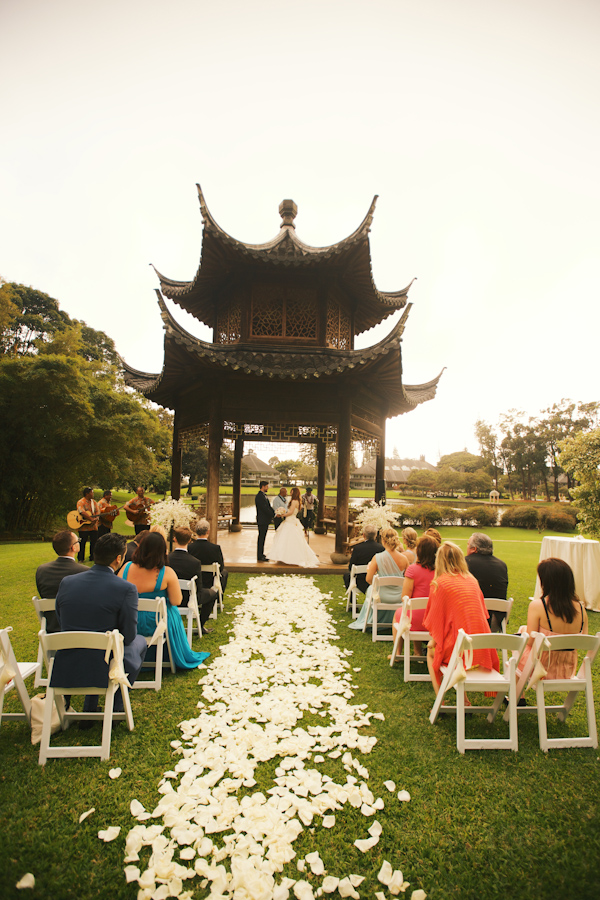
264,516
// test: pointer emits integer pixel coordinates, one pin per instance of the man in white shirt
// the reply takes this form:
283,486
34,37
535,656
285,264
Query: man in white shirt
280,502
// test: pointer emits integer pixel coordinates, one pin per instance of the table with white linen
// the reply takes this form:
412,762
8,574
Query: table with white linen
584,558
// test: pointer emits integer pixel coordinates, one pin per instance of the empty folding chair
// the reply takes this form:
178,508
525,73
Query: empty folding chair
155,659
405,633
111,643
12,675
352,592
191,611
378,605
494,604
215,569
459,675
42,606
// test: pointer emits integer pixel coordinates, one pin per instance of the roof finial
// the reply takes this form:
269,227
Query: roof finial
288,211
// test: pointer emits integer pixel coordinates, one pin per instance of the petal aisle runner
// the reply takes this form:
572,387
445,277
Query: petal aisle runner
218,837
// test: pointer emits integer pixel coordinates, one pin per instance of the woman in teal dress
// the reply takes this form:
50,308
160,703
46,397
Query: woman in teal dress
390,562
155,579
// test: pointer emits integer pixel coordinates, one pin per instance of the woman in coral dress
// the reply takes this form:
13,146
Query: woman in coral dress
455,601
558,611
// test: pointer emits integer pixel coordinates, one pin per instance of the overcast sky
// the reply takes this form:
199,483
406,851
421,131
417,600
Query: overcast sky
476,121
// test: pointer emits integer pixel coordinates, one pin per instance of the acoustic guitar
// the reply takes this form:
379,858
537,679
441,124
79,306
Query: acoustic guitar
109,513
75,520
137,516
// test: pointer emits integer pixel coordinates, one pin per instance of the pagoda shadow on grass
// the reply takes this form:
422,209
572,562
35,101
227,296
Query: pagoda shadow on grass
282,365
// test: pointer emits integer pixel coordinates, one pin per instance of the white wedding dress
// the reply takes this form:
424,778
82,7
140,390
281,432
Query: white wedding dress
290,544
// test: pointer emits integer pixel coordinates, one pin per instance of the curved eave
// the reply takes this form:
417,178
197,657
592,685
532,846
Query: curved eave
221,253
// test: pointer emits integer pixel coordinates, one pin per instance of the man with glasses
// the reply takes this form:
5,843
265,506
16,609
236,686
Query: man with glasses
49,575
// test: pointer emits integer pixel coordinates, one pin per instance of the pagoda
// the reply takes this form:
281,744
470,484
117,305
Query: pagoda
282,364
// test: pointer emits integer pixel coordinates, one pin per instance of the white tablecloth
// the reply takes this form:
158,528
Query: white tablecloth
584,558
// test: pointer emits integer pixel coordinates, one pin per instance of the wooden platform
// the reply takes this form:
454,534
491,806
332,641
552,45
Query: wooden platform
239,553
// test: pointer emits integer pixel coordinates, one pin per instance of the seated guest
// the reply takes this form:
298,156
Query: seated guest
434,533
207,553
153,578
417,581
186,566
558,611
49,575
455,601
96,600
160,529
133,545
490,572
390,562
409,539
362,554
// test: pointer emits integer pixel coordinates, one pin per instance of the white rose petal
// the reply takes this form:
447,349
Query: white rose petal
301,865
132,873
345,889
367,810
84,815
397,883
390,785
136,808
404,796
385,873
380,895
328,821
418,895
27,881
114,773
366,843
303,890
110,833
330,884
187,853
355,880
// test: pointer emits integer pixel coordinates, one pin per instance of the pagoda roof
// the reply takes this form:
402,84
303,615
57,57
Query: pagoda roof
349,260
186,355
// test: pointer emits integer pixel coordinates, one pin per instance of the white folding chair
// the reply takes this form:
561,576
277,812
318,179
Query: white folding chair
494,604
191,611
215,569
42,606
12,675
533,675
405,632
159,639
378,604
352,592
111,642
458,675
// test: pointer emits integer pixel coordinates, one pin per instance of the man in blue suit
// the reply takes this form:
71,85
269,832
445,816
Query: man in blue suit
97,600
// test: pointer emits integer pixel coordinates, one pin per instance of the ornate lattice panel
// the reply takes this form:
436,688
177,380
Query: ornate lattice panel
365,441
267,317
366,414
338,327
284,311
281,433
197,436
301,317
229,325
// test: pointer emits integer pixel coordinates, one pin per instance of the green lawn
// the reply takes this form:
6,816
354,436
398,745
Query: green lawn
490,824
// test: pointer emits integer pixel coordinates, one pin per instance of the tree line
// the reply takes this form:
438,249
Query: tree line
68,420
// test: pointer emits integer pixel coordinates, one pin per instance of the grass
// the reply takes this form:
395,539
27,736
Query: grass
486,825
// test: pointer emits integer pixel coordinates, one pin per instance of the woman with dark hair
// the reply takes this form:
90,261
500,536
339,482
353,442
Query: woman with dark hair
153,578
290,543
455,601
417,581
558,611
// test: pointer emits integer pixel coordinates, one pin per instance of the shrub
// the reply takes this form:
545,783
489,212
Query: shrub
428,515
452,516
557,520
481,516
521,517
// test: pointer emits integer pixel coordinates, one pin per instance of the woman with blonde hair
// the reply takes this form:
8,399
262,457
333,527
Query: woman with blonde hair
409,539
391,562
455,601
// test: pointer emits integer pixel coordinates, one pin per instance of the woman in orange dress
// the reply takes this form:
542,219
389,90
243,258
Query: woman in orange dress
455,601
558,611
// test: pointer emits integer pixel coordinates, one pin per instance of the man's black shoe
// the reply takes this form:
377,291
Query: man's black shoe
207,630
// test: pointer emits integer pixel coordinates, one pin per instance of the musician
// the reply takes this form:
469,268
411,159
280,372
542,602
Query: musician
137,510
106,506
88,531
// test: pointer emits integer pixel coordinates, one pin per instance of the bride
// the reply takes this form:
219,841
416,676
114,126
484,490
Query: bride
289,544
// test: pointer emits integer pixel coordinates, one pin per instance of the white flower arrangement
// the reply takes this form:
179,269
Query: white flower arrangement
377,515
171,514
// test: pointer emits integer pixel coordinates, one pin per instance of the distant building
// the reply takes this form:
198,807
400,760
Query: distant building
397,471
254,470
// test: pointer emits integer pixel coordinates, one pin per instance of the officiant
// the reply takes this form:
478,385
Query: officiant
280,502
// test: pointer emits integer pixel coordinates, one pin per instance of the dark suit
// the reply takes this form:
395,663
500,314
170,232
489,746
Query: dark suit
207,553
492,575
362,554
186,566
97,600
47,581
264,516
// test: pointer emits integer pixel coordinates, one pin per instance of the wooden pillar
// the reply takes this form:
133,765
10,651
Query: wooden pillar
238,452
176,455
344,446
215,439
321,473
380,463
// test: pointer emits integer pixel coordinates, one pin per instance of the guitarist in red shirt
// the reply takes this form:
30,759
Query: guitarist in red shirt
136,510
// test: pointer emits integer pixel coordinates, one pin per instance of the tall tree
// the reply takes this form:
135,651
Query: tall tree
580,457
488,447
561,421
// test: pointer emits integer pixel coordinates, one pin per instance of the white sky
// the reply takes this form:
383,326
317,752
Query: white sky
476,121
